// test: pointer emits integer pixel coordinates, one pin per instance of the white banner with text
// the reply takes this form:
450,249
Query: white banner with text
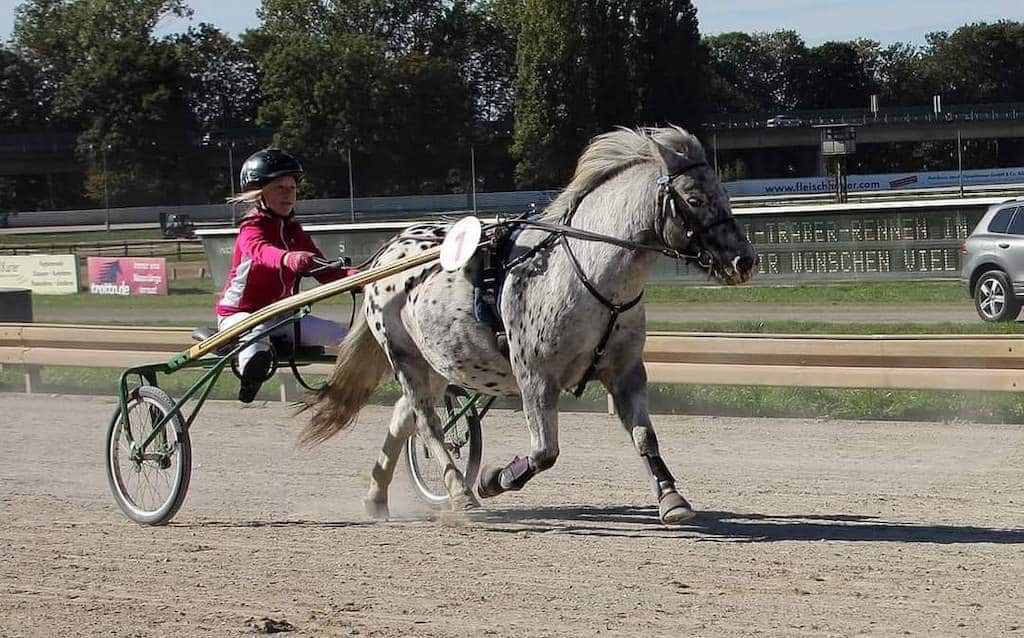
880,182
42,274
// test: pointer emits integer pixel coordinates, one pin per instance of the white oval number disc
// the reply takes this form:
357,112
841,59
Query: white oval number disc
460,243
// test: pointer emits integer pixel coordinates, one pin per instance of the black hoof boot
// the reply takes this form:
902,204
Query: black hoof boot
489,484
673,509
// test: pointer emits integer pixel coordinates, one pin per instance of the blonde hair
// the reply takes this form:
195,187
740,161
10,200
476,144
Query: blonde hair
250,197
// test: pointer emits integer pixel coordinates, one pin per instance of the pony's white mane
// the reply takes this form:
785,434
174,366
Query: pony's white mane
611,152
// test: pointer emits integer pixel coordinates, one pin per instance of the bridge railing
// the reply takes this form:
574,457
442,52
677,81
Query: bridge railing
889,115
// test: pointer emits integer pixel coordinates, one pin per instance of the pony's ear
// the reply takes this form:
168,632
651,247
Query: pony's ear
673,161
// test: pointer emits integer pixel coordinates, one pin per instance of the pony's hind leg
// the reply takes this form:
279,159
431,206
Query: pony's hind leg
630,394
402,426
540,407
422,389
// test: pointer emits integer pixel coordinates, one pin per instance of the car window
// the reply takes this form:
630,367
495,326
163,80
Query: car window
1017,224
1001,220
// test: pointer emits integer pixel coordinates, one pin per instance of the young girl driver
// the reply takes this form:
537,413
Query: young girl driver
271,251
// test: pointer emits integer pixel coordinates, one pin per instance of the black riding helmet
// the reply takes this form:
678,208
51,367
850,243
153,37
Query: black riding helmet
265,166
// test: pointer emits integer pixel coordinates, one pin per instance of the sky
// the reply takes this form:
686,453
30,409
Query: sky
816,21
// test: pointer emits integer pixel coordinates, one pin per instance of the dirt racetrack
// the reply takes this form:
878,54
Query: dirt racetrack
808,528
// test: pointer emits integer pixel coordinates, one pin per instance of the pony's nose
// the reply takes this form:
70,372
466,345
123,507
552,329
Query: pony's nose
746,263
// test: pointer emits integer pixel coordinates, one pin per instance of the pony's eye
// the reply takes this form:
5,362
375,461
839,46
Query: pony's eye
695,202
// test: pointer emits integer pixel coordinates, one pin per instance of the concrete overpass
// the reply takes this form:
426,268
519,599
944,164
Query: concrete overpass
868,132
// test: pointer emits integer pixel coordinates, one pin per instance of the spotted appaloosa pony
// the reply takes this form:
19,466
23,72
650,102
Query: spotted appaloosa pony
651,187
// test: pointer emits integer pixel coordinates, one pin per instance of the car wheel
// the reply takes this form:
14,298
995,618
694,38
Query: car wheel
993,297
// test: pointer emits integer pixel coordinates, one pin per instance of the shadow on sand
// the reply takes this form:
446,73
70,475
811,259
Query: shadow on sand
740,527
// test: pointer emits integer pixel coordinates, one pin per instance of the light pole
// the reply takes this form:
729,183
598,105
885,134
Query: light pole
714,147
231,177
472,174
351,188
231,167
106,195
960,160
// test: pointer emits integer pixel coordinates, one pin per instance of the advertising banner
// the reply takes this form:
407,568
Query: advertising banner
880,182
127,275
42,274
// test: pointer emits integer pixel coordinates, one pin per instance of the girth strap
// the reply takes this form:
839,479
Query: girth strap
616,310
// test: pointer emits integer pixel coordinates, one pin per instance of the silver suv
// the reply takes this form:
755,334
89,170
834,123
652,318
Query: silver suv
992,258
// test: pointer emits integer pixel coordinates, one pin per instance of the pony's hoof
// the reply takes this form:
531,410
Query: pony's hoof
489,485
463,502
376,510
673,509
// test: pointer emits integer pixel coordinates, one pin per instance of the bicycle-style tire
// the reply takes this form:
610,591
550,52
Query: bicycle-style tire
464,440
151,490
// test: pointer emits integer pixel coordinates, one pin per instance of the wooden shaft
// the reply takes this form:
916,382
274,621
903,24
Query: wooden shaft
311,296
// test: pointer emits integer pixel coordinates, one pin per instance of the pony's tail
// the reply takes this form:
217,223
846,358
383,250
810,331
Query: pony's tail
358,371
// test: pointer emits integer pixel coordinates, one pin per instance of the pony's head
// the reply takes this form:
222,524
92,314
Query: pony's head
694,218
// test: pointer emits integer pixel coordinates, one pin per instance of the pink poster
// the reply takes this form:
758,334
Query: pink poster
127,275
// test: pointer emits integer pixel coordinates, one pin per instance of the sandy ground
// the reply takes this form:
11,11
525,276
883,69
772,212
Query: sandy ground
808,528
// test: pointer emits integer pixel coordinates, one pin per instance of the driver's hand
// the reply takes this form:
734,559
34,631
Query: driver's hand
336,273
298,261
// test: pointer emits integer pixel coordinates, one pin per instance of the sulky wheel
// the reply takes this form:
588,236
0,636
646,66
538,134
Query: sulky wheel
148,484
464,441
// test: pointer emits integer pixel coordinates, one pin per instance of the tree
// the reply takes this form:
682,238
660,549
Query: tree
586,67
738,74
836,78
787,68
756,73
224,88
372,86
977,63
23,106
901,77
552,113
670,63
121,90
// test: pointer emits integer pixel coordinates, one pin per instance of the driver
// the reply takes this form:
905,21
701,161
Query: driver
271,252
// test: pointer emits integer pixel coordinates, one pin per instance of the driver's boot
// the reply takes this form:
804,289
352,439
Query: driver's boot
254,374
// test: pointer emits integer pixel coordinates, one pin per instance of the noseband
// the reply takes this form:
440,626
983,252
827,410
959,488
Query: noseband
693,230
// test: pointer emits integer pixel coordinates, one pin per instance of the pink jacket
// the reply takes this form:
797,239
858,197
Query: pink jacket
257,277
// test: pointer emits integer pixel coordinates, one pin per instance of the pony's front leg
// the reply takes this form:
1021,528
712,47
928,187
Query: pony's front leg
629,391
541,411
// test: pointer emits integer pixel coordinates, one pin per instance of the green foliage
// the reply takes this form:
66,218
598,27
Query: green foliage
759,72
224,86
122,91
586,67
551,121
371,87
409,87
836,77
978,63
23,103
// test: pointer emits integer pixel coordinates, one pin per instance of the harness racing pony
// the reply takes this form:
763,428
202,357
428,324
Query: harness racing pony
571,302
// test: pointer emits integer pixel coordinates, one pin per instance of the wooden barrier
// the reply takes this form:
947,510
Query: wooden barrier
927,362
